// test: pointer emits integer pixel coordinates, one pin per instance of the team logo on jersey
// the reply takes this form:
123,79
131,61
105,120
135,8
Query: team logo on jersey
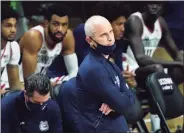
6,58
117,81
44,126
43,51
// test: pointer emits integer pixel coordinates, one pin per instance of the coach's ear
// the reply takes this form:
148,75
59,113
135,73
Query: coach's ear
89,41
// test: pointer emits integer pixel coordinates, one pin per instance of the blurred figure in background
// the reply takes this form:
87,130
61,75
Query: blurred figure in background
144,32
10,51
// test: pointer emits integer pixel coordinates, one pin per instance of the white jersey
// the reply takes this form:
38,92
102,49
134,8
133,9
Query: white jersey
45,55
10,55
150,42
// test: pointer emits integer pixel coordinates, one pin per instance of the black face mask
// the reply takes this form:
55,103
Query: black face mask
106,50
35,107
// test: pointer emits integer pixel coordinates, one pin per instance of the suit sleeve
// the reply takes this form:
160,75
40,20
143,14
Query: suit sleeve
101,84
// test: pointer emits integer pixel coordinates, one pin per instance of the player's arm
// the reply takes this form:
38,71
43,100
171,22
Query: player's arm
69,54
168,41
133,31
13,77
30,44
12,68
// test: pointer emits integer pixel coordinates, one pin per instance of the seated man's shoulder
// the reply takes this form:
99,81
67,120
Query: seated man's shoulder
33,34
53,109
14,44
69,33
32,37
134,16
52,105
10,98
133,19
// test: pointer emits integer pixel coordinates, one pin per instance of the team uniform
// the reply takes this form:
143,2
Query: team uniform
150,41
10,55
45,55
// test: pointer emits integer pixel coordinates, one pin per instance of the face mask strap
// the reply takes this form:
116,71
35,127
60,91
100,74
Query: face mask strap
27,105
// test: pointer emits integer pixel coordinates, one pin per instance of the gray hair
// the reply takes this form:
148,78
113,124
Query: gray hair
94,20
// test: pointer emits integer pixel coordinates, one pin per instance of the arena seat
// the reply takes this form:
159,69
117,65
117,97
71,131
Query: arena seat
165,99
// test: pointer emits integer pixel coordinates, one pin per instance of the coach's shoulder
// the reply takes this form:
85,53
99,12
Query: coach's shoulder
53,106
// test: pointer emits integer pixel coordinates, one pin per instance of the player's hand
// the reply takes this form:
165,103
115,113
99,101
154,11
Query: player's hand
112,60
53,84
58,80
105,109
129,77
2,91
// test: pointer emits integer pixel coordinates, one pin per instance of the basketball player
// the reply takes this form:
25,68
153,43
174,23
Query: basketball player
40,45
10,51
145,31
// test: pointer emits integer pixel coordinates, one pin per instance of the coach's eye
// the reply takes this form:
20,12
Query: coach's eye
55,24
